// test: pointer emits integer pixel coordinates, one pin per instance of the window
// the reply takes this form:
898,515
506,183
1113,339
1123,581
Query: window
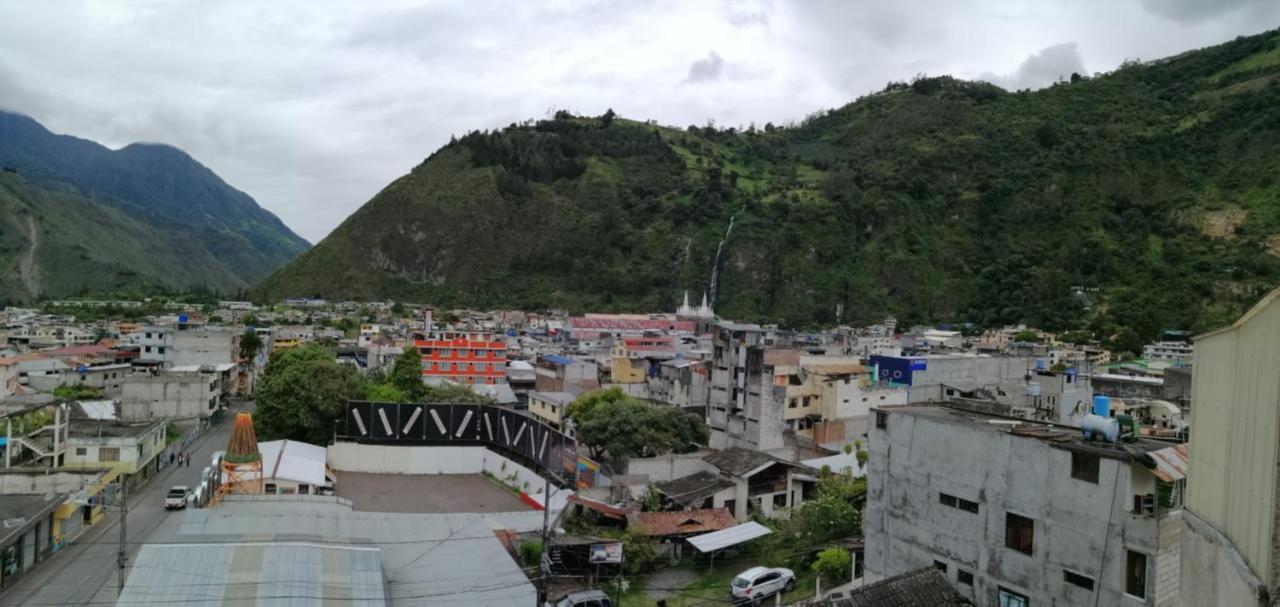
108,454
964,577
82,451
940,566
780,500
882,420
444,366
1019,533
148,349
1084,467
791,404
1076,579
1135,575
947,500
1009,598
967,505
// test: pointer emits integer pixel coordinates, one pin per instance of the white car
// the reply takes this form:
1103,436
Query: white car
760,582
176,499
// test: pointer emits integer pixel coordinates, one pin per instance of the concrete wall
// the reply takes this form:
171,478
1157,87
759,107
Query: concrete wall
1235,416
169,396
966,370
45,481
398,459
1079,526
1213,572
669,467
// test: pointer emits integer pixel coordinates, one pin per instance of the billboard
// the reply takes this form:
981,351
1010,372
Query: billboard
897,369
610,553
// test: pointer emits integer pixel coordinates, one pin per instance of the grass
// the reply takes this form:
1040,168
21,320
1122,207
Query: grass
712,588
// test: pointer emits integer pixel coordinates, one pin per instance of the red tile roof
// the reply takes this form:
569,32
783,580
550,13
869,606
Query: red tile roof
613,512
681,523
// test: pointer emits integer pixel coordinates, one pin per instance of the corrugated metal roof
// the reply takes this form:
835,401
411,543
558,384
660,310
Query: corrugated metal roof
427,559
255,572
729,537
1171,463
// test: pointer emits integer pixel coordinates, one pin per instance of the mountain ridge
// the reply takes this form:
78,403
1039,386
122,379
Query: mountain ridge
165,196
1090,202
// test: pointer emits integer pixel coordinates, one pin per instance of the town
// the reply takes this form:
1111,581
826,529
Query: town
394,453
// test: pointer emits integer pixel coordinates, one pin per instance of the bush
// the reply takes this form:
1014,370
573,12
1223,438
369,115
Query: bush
832,566
530,553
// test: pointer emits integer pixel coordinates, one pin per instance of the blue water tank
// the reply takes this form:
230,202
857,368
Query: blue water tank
1102,405
1040,364
182,318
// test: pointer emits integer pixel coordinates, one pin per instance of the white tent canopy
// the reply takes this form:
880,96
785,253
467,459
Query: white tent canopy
737,534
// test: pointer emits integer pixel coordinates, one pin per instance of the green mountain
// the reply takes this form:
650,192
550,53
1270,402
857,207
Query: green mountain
1146,198
145,215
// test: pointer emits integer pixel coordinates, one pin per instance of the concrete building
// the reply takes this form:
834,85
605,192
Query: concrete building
743,481
106,443
463,357
745,407
1177,352
681,382
636,359
27,535
1022,513
1231,544
550,406
563,374
170,395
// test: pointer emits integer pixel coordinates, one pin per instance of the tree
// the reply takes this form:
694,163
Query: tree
607,118
611,422
250,344
1027,335
406,374
833,566
301,394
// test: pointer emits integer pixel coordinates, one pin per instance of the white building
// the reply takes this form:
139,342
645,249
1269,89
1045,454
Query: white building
1177,352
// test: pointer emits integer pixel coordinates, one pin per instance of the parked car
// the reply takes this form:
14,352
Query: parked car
761,582
586,598
176,499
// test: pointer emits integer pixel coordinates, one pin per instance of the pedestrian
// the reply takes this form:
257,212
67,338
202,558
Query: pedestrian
188,460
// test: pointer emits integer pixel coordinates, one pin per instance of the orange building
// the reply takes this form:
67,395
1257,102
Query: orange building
464,357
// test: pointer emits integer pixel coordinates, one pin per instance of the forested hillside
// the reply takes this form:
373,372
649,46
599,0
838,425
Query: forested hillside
144,215
1145,198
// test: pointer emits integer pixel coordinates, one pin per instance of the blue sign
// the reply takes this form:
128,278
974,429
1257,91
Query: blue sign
897,369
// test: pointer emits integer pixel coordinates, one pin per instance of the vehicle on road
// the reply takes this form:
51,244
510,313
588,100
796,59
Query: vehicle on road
176,499
758,583
586,598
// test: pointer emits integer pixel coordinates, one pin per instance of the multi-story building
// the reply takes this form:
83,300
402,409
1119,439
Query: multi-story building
557,373
635,359
1231,543
550,407
171,395
1177,352
1019,513
464,357
745,405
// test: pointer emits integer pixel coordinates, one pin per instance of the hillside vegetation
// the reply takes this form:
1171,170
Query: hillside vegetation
1146,198
145,215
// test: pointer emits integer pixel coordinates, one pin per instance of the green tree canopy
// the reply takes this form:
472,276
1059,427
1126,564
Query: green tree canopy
610,422
250,344
301,394
833,565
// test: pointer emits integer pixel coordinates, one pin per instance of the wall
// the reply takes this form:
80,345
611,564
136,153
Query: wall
1079,526
1213,572
45,481
169,396
966,370
392,459
203,348
669,467
1235,411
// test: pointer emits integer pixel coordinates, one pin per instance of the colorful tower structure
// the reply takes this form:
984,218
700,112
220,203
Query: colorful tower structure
242,463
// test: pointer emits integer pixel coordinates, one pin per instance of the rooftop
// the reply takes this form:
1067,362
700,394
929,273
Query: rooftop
736,461
926,587
90,428
681,523
693,488
1064,437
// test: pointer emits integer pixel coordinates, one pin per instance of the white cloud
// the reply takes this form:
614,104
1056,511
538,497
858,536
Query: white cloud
312,107
1043,68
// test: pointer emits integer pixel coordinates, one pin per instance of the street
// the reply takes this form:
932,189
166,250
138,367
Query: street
85,572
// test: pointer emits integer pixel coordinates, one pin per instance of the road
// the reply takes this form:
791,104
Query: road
85,572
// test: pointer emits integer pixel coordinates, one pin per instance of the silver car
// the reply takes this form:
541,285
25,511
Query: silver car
760,582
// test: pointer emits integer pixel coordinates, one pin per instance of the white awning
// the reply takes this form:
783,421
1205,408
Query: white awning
716,540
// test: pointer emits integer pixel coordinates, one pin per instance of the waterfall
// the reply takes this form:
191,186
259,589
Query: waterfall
715,267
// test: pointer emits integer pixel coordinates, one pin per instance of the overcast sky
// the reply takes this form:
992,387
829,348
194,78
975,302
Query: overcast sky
312,107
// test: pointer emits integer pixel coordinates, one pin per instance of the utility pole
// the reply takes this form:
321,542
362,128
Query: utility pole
546,533
122,558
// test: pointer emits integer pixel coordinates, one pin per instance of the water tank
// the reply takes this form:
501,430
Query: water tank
1097,427
1102,405
1041,365
1033,389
